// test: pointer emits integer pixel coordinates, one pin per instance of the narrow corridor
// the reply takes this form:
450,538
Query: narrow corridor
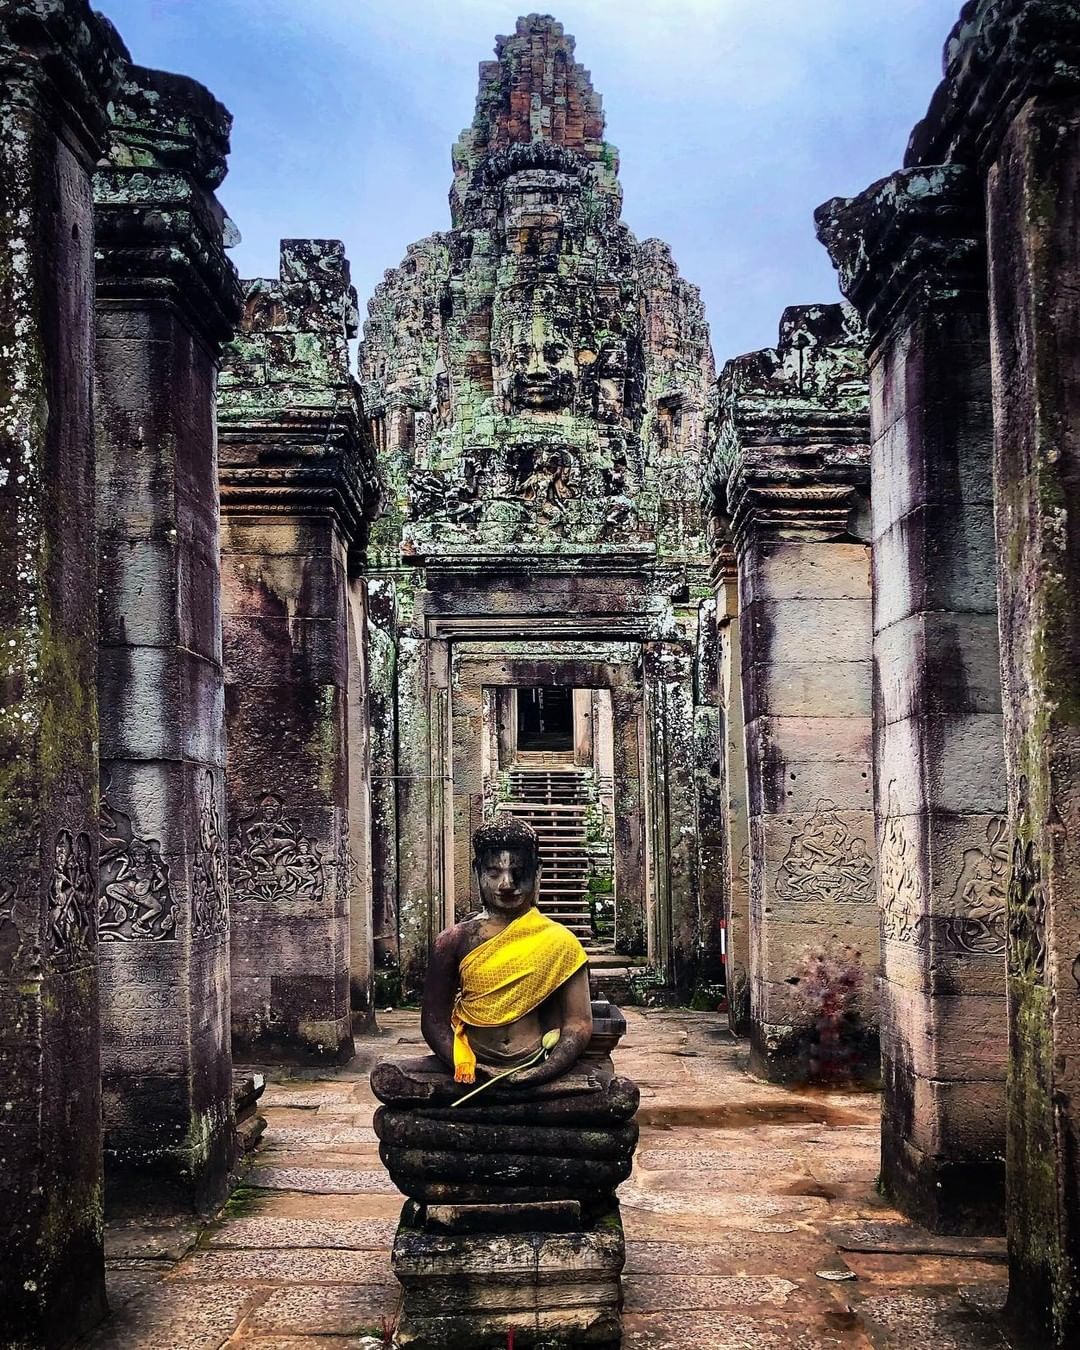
751,1220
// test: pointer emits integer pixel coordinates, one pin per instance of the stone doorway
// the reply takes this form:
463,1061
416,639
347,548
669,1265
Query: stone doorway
545,720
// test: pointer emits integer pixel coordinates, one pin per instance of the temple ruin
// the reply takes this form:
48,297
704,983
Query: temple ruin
778,666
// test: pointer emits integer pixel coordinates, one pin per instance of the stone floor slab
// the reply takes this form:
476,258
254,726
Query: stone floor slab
310,1266
271,1233
348,1310
321,1180
180,1317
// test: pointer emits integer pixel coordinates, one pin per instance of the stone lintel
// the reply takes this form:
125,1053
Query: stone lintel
1000,54
61,57
916,235
159,230
308,460
811,511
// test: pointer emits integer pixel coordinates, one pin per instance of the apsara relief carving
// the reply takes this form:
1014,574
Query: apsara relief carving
135,895
271,858
901,910
72,893
1027,900
977,921
826,862
210,876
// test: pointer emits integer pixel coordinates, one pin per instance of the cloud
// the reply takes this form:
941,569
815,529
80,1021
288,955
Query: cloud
734,119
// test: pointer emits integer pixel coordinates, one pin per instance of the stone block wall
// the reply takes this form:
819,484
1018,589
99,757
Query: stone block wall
59,67
167,299
298,485
792,461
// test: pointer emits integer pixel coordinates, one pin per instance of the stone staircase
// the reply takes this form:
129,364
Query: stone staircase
553,801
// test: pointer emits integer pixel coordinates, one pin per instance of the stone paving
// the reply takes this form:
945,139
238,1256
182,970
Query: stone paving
751,1220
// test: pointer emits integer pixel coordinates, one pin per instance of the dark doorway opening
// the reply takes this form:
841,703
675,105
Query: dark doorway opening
545,718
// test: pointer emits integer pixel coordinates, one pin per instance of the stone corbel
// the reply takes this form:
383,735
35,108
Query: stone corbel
160,230
811,511
916,235
999,55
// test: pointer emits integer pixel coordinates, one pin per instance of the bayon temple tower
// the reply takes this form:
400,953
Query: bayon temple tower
687,758
540,390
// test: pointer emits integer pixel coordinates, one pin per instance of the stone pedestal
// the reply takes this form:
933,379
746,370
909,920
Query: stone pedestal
911,256
298,486
511,1220
166,299
1033,204
58,67
795,423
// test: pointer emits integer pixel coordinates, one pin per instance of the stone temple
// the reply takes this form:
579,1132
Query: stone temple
734,712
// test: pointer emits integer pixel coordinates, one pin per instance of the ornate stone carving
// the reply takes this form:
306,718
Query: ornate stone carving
826,862
18,932
272,859
977,924
135,899
71,897
899,881
538,319
210,876
1027,901
548,487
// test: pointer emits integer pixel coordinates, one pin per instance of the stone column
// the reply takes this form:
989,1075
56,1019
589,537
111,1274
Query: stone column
582,701
669,715
166,299
418,826
911,256
1033,202
796,420
382,722
297,488
732,750
58,68
630,926
361,909
711,836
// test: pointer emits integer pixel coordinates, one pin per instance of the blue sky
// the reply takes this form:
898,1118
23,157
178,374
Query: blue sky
733,118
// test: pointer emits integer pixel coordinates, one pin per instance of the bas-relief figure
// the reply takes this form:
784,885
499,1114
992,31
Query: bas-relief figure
272,858
72,891
135,896
826,862
210,878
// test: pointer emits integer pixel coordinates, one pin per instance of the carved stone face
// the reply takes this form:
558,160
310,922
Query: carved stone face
508,880
541,361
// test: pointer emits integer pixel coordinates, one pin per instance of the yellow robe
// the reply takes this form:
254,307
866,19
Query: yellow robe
508,976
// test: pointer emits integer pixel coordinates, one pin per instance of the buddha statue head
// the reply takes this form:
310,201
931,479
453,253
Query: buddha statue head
506,861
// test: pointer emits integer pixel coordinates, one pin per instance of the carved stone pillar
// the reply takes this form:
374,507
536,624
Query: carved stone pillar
297,488
911,257
382,731
795,422
58,68
1033,203
731,750
166,299
630,923
677,932
709,802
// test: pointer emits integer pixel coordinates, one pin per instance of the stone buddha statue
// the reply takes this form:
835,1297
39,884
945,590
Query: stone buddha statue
503,978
